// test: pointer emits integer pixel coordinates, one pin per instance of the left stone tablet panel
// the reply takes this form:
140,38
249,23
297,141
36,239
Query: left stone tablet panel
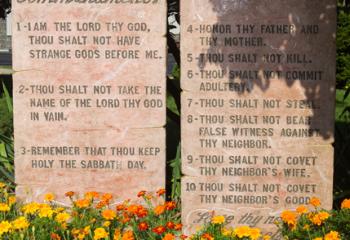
89,96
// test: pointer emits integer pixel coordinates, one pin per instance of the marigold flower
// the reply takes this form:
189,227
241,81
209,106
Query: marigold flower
266,237
107,197
82,203
45,211
178,226
170,205
20,223
49,197
4,207
101,204
143,226
255,233
2,185
319,218
169,236
120,207
159,230
161,192
158,210
318,238
69,194
108,214
182,236
218,220
91,195
100,233
315,202
107,224
333,235
302,209
242,232
289,218
12,200
30,208
227,232
62,217
117,234
170,225
141,193
133,209
207,236
142,212
5,227
345,204
128,235
55,236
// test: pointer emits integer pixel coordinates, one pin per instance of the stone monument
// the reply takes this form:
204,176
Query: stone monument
89,96
257,109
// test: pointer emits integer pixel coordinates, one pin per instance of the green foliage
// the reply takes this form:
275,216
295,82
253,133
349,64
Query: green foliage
343,49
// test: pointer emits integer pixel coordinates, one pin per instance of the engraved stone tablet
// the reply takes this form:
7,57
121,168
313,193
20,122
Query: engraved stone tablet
257,109
89,96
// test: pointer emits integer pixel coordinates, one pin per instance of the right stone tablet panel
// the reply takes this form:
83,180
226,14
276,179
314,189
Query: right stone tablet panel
258,81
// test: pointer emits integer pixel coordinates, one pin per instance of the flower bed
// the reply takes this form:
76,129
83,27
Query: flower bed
93,217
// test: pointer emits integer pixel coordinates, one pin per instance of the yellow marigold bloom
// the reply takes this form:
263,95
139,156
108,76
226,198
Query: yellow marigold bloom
218,220
159,209
100,233
345,204
289,217
266,237
62,217
81,233
45,211
323,215
20,223
315,202
169,236
333,235
128,235
30,208
227,232
4,207
306,227
318,238
5,227
12,200
2,185
302,209
107,224
242,232
49,197
255,233
108,214
82,203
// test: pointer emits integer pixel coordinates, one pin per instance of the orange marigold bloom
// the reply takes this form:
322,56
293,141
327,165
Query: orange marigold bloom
101,204
170,225
207,236
345,204
106,197
159,209
302,209
55,236
128,235
169,236
161,192
133,209
141,193
108,214
170,205
69,194
178,226
333,235
120,207
91,195
82,203
159,230
315,202
289,217
142,212
49,197
143,226
183,236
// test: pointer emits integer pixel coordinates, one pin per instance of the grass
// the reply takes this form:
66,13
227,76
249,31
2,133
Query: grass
340,106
